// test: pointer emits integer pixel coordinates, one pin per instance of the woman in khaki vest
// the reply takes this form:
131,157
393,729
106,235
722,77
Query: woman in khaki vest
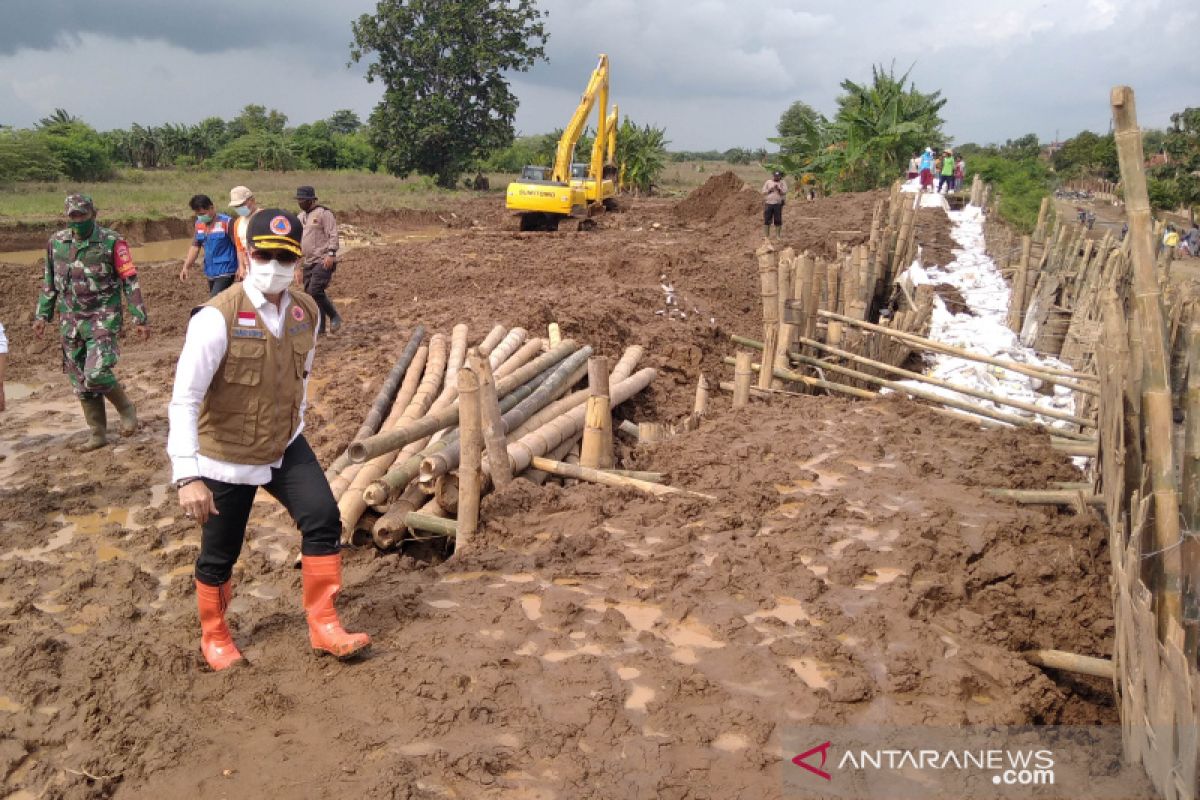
237,421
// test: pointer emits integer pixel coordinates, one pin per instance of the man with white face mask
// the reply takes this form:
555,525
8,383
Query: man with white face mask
236,417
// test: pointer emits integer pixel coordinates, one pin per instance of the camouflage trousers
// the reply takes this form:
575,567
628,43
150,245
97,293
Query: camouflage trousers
90,351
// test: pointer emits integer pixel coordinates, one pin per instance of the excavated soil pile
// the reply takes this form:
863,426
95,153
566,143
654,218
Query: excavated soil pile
719,198
594,643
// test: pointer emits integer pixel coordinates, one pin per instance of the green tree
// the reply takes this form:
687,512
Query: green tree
27,156
260,150
344,121
314,144
81,151
354,151
877,128
641,154
1088,154
443,64
1026,146
256,119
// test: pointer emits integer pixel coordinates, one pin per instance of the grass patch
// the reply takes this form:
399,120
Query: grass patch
158,194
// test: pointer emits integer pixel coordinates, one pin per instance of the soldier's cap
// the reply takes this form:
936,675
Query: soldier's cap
238,196
306,193
275,229
80,203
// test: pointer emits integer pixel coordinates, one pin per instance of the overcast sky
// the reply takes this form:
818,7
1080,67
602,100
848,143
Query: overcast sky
715,73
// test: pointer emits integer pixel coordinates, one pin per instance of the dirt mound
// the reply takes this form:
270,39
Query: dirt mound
719,198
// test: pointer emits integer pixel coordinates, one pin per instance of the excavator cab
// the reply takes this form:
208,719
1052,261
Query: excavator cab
536,174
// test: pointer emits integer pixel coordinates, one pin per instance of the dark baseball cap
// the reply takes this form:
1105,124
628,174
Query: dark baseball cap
275,229
306,193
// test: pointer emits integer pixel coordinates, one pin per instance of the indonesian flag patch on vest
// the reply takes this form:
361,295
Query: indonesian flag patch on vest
247,319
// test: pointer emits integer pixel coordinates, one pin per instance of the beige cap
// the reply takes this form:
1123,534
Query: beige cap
238,195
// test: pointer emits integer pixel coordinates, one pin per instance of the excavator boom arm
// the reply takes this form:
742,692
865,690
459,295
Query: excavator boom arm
597,85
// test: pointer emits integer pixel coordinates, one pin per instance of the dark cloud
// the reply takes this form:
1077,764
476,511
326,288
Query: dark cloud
212,26
714,73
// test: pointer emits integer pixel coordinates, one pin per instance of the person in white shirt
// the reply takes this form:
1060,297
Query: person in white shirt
236,423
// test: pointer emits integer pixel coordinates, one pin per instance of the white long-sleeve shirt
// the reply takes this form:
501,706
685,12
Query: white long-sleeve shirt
203,350
3,340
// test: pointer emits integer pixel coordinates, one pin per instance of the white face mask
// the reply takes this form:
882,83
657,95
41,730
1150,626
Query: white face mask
270,277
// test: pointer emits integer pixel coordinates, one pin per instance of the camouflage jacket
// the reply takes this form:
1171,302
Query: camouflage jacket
86,278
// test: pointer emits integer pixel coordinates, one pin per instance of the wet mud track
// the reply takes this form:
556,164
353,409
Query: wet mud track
595,642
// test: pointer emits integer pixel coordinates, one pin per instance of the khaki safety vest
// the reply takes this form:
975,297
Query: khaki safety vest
252,407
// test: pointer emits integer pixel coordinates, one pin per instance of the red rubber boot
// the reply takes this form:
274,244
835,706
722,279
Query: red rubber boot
322,578
216,643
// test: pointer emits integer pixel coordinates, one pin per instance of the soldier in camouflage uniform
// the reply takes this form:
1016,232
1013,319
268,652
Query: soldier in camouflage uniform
88,268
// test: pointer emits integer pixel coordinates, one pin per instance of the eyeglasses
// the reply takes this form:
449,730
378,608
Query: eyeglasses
285,257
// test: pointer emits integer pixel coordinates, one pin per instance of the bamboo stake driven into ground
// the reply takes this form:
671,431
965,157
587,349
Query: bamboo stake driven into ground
1156,392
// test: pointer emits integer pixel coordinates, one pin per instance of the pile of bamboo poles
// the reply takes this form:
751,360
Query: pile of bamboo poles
451,421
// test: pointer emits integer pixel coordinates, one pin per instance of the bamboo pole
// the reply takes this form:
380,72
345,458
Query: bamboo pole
1071,662
609,479
766,378
412,379
1156,391
384,400
528,351
1016,302
700,404
1190,555
651,432
932,381
550,435
429,523
382,443
742,377
509,345
469,464
489,410
628,428
555,335
491,340
446,460
389,530
408,462
896,386
1048,497
1039,230
796,377
596,451
641,475
353,502
1048,374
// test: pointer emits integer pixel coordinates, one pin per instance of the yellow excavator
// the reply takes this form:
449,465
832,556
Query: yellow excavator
545,196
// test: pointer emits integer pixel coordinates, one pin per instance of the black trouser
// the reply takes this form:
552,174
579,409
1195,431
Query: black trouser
316,278
773,214
946,182
220,283
299,484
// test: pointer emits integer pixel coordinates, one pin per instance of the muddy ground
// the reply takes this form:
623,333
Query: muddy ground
594,643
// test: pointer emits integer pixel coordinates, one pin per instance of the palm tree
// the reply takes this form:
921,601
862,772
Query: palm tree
59,117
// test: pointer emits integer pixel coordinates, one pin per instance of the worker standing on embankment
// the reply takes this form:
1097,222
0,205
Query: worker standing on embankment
774,194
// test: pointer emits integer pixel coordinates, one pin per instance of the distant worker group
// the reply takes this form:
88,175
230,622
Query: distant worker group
948,168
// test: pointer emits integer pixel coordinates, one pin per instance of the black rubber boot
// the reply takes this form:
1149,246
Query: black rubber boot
125,408
97,420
